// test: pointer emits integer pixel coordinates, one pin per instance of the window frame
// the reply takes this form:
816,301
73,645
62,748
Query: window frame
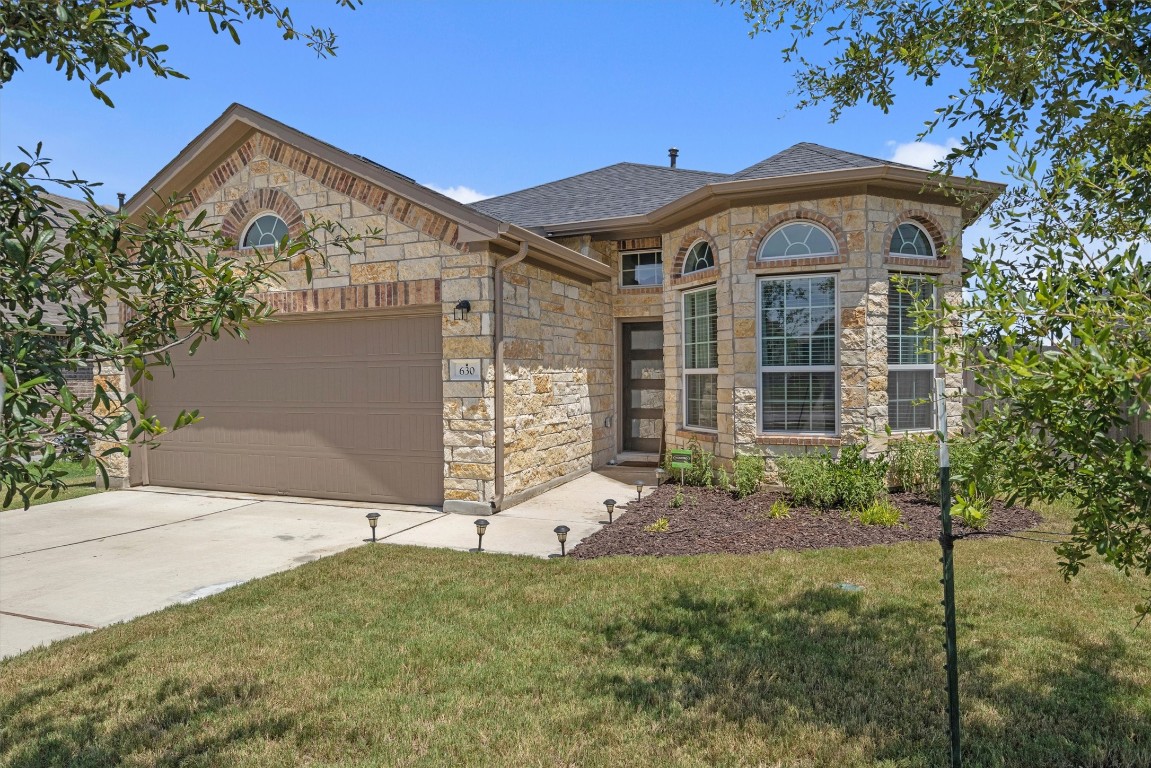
933,366
926,236
640,252
684,272
760,258
761,369
252,223
697,371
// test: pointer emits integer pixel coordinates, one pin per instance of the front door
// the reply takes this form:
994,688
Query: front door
642,386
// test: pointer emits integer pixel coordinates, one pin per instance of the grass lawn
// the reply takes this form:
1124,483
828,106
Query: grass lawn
389,656
81,482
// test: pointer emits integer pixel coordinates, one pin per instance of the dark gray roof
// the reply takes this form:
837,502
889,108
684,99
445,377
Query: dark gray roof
809,158
61,220
631,189
623,189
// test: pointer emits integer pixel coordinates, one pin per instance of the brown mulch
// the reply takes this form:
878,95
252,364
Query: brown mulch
713,522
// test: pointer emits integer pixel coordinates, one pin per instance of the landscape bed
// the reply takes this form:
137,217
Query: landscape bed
710,521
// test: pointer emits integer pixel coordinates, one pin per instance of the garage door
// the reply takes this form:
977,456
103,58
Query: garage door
341,409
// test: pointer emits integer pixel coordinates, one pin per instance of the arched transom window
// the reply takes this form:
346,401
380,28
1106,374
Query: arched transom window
698,257
268,229
911,240
798,239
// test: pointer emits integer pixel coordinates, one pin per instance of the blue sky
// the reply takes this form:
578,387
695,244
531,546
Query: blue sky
476,98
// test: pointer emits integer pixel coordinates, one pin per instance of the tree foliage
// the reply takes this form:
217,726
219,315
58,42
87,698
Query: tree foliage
129,293
1058,318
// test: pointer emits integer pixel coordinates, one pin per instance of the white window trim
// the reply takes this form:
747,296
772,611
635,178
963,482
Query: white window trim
926,236
252,222
932,366
762,369
635,252
696,371
790,222
714,257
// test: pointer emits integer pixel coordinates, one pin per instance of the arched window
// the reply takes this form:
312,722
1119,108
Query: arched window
798,239
699,256
268,229
910,239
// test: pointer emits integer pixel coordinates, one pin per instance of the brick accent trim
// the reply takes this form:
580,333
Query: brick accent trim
633,289
942,261
691,434
256,202
703,275
640,244
778,220
373,196
811,440
402,293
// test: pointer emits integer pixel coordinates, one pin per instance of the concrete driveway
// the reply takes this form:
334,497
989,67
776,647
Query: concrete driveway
77,565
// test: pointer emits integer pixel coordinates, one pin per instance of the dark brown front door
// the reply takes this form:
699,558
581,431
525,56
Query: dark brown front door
642,386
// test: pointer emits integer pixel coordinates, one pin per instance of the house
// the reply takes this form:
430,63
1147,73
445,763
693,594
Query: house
79,376
630,309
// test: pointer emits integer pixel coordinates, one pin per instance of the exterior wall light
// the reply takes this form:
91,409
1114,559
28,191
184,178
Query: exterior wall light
638,490
610,505
373,520
462,308
561,532
481,528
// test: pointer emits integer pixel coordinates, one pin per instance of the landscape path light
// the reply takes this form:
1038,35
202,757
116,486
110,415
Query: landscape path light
610,505
660,473
373,520
638,490
561,532
481,529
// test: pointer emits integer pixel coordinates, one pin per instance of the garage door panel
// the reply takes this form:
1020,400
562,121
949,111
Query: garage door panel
307,409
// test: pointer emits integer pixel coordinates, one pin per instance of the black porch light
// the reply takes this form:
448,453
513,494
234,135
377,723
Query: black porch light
561,532
610,505
481,528
373,520
461,310
638,490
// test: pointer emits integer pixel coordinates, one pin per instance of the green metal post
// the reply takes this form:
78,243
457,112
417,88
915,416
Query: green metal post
947,543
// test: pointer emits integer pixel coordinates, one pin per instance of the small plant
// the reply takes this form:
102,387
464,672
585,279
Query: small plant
722,479
972,508
879,512
659,526
852,482
913,464
779,510
808,479
677,500
750,469
700,473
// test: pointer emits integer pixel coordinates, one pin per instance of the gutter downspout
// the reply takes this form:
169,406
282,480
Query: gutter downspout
498,502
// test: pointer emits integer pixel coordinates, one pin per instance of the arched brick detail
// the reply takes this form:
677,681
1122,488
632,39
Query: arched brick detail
931,225
256,202
778,220
685,244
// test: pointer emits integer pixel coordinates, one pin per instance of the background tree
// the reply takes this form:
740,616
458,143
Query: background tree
173,282
1059,315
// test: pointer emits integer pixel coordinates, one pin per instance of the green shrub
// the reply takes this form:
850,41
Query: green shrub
971,506
659,526
779,510
677,500
820,481
879,512
750,469
913,464
973,468
722,479
700,473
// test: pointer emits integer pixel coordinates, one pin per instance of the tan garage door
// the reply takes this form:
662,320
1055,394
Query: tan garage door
342,409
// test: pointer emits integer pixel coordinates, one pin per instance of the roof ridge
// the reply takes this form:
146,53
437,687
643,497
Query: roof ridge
668,168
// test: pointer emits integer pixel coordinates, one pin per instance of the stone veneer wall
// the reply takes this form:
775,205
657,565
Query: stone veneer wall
558,375
863,224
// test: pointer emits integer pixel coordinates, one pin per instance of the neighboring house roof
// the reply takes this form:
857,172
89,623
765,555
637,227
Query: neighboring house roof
623,189
629,194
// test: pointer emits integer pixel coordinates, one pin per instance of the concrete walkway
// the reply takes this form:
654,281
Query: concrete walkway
77,565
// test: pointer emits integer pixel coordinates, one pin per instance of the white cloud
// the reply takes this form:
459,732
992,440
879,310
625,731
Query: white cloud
461,193
922,154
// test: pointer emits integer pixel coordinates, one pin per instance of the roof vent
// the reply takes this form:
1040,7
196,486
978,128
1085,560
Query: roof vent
672,154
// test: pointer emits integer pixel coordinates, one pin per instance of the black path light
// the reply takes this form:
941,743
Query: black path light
561,532
638,490
373,520
481,529
660,473
609,504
